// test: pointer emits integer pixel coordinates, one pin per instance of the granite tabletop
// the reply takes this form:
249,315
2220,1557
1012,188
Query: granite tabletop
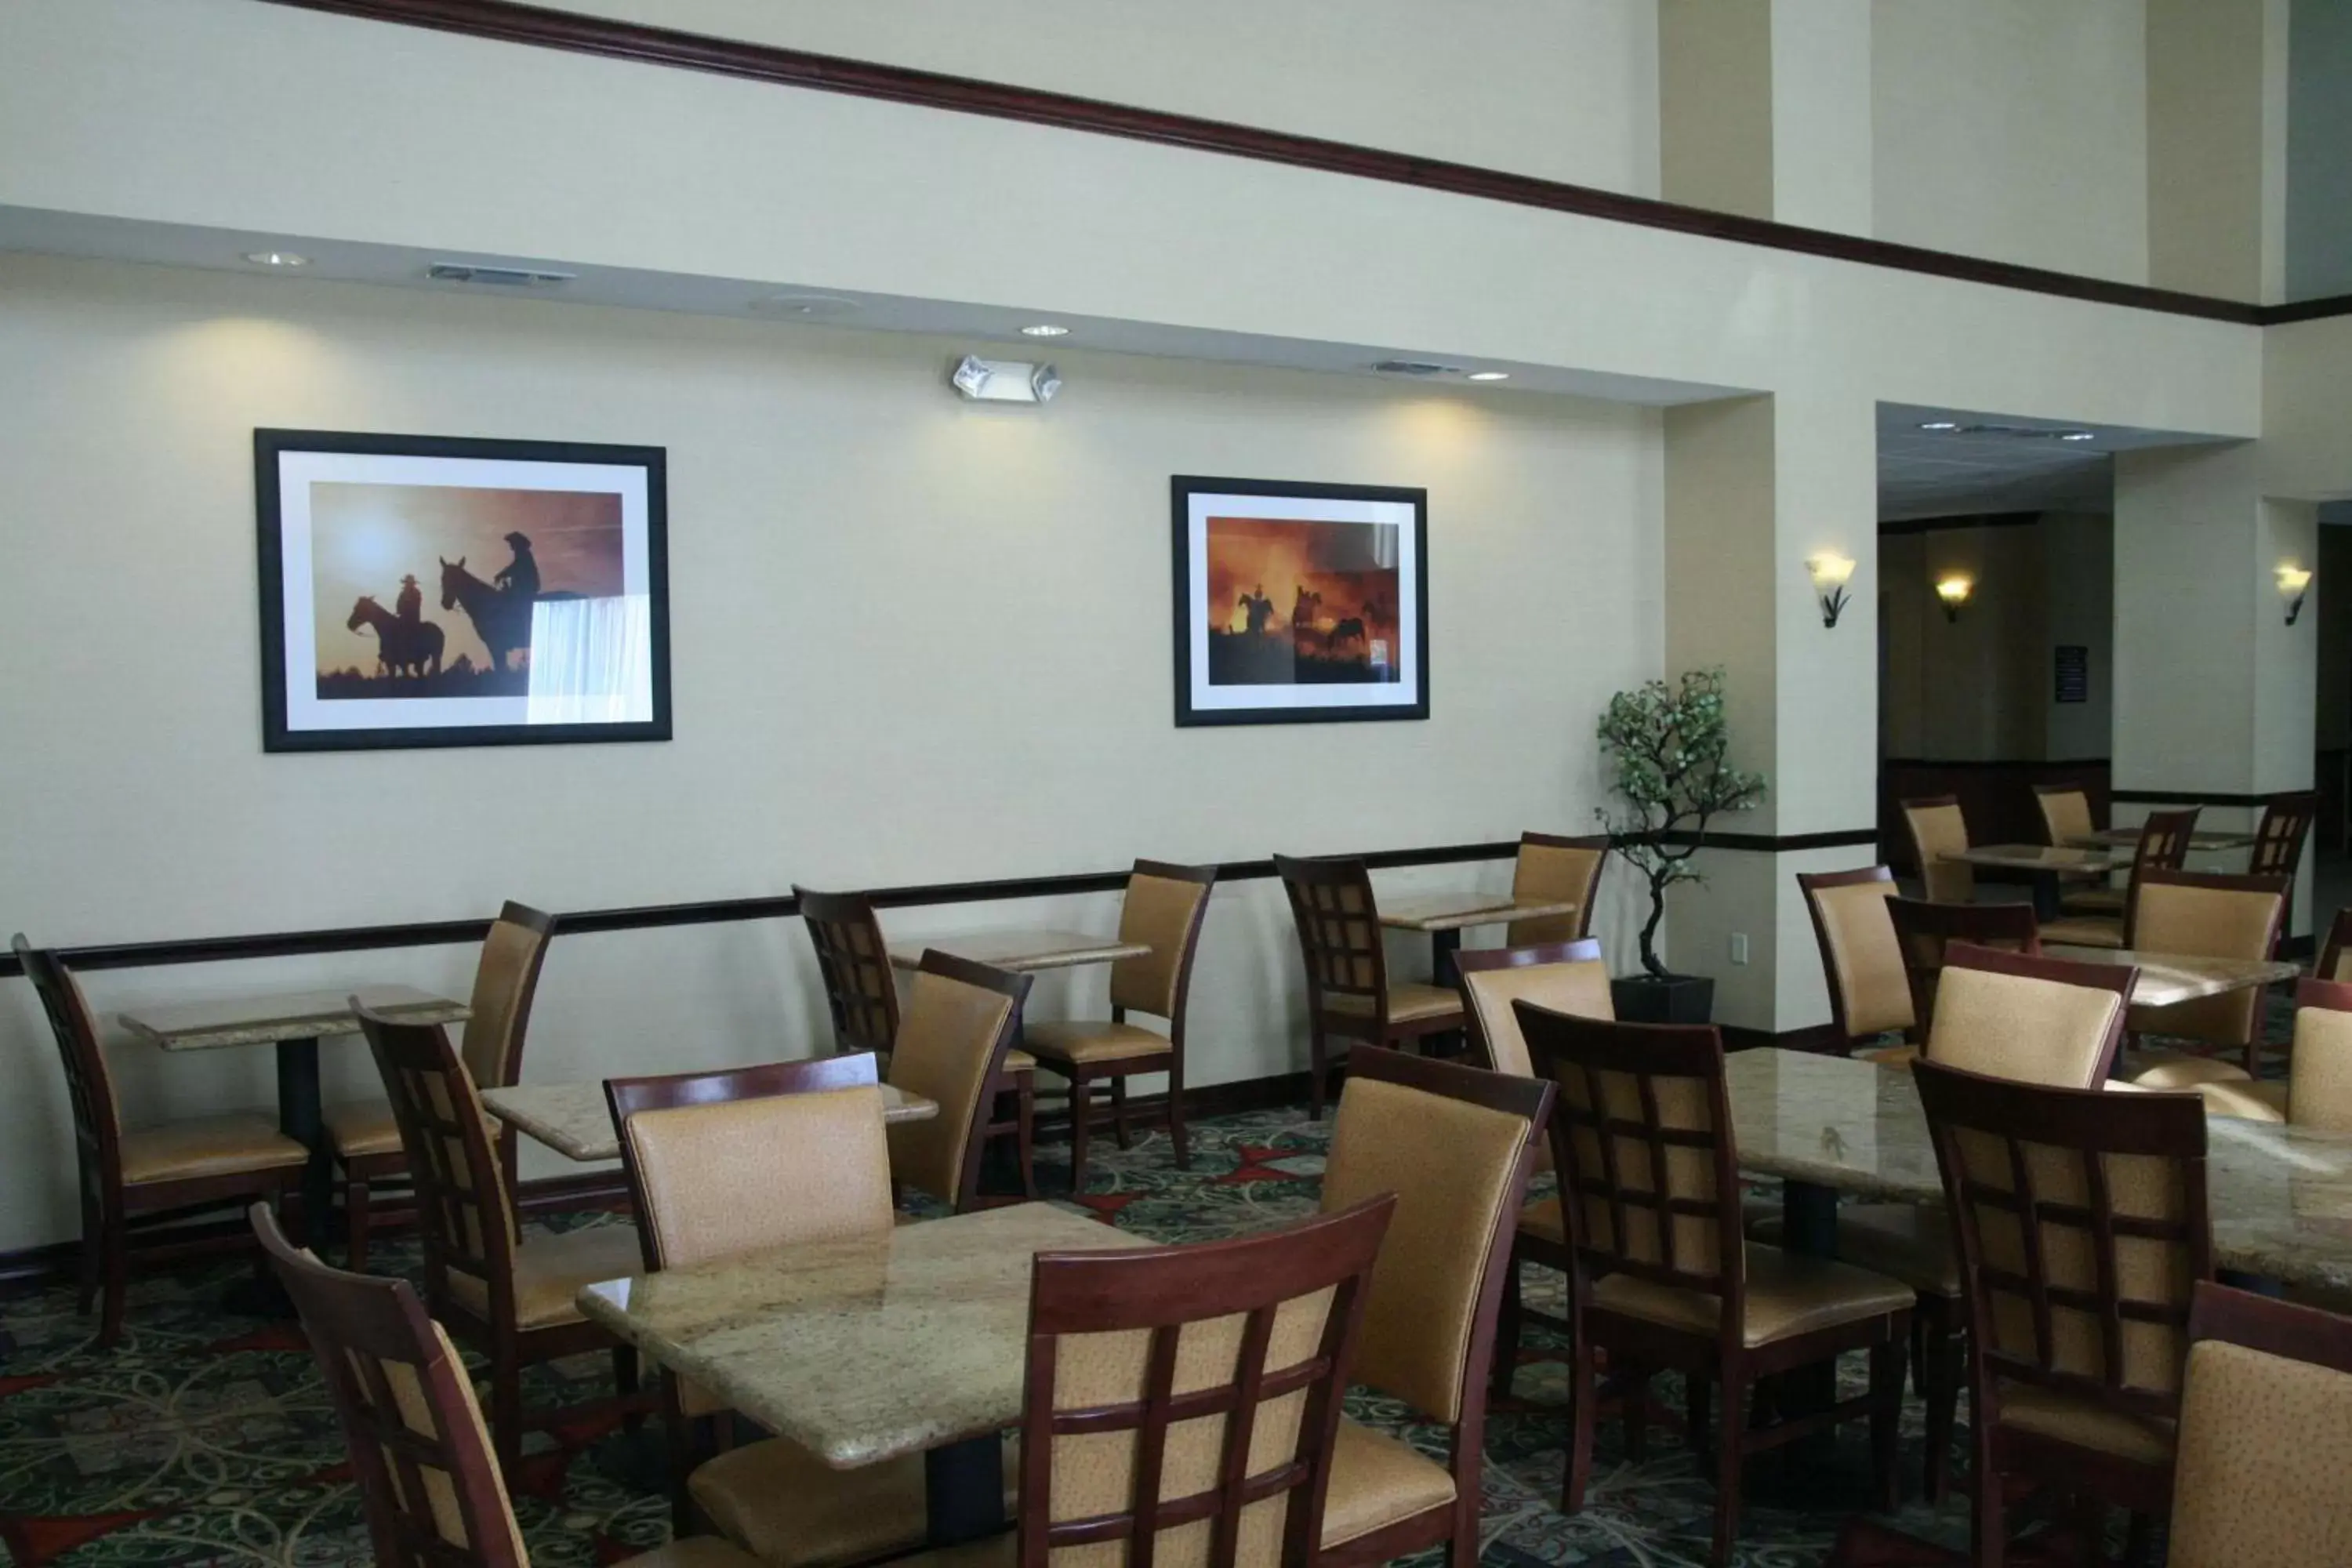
573,1119
1453,911
2128,838
2166,978
265,1020
2281,1197
2059,861
1022,951
864,1350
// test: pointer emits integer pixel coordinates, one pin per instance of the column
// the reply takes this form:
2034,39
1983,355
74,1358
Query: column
2217,166
1764,109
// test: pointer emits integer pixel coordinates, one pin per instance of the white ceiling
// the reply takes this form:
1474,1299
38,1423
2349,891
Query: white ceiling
2022,467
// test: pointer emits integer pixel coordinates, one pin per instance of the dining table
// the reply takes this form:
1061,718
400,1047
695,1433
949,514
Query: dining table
575,1121
2203,840
871,1348
1020,951
2047,865
1444,917
294,1025
2166,979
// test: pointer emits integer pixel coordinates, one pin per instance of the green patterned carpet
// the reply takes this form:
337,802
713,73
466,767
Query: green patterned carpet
206,1439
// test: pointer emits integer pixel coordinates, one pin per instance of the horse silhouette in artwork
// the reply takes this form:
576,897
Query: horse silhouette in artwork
501,619
402,648
1350,630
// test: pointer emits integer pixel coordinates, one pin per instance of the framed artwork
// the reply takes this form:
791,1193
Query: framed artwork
1299,603
430,590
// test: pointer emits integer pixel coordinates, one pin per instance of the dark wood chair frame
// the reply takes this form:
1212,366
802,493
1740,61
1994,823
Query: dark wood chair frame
1160,1292
1454,1525
121,1218
1595,841
369,1178
1919,924
1083,1076
1807,883
404,1048
1004,983
2092,1124
1563,1046
2331,947
1332,955
383,1320
2164,838
2278,837
867,1020
693,1441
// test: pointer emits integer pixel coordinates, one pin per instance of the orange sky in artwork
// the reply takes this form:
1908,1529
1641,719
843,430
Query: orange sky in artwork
363,538
1339,561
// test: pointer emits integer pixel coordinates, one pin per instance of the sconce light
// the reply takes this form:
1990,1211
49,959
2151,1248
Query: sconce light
2294,583
1004,380
1954,590
1830,571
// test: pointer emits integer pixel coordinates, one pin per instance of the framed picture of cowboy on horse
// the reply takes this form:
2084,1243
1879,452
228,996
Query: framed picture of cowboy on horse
1300,603
428,591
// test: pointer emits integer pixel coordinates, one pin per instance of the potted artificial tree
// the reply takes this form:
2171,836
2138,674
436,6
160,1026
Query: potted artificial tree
1667,745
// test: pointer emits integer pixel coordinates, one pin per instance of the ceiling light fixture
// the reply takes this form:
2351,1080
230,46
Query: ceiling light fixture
1044,330
277,259
1004,380
1830,571
1490,375
1939,425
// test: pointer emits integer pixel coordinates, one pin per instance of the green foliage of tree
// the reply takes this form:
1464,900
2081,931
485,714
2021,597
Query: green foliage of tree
1667,746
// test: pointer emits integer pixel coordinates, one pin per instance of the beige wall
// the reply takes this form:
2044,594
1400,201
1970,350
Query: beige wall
914,640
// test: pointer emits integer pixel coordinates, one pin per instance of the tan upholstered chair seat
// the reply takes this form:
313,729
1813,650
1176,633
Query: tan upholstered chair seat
549,1271
695,1552
1093,1041
1544,1220
1018,1061
1903,1241
1889,1056
2085,1425
2179,1069
1788,1295
1377,1480
790,1510
214,1146
1409,1003
2087,931
2264,1101
360,1128
2095,901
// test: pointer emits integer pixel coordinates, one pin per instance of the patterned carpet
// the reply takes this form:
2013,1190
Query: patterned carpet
208,1438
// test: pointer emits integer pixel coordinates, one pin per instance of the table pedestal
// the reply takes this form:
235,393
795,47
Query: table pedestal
964,1490
301,1118
1813,1473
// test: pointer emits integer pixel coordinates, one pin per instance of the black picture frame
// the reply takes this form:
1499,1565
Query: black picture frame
1192,632
282,733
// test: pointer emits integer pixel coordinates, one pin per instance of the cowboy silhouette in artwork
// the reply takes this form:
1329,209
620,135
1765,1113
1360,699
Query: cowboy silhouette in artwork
1260,610
410,604
521,576
500,608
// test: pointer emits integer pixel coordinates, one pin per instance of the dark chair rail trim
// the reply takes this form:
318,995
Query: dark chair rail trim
508,22
2199,796
1991,762
1781,844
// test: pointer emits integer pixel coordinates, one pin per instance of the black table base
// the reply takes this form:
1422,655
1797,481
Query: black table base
964,1490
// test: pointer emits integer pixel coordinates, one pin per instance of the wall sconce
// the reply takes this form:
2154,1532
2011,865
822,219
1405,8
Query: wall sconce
1954,590
2294,583
1004,380
1830,571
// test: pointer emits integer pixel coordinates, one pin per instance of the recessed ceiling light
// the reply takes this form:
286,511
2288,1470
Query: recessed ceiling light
2078,435
276,259
1939,425
1044,330
1490,375
803,307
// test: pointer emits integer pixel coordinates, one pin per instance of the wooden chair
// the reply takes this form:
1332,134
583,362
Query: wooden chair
2163,847
2336,949
959,1023
1923,930
413,1432
365,1137
1937,829
1349,995
1869,994
2066,822
1554,870
1456,1146
138,1184
2204,915
509,1298
1641,1136
2280,836
1162,910
862,995
723,1164
2082,1224
1567,977
2317,1091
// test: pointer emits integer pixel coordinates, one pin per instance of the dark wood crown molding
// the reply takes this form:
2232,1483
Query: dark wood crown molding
508,21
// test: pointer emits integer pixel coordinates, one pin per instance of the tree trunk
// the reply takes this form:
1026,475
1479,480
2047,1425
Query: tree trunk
1650,930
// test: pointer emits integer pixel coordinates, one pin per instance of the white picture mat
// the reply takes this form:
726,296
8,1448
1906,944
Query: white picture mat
1402,692
298,472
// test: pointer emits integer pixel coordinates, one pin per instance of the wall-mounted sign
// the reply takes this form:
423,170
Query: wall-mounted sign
2073,673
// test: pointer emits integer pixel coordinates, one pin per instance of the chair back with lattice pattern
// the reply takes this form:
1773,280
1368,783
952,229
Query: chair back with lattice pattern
2082,1226
2279,839
1923,930
1555,869
855,964
1339,930
89,1088
504,981
1183,1402
412,1429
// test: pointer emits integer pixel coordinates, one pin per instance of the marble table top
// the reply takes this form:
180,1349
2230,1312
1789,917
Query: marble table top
2059,861
1022,951
2166,978
2128,838
265,1020
1455,911
864,1350
2280,1196
573,1119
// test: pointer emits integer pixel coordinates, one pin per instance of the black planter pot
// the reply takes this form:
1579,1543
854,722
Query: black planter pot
1676,999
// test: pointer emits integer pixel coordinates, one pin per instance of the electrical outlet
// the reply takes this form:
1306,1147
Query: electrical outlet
1739,947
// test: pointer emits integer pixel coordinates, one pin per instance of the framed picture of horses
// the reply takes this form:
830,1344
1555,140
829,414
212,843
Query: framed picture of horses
431,591
1299,603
